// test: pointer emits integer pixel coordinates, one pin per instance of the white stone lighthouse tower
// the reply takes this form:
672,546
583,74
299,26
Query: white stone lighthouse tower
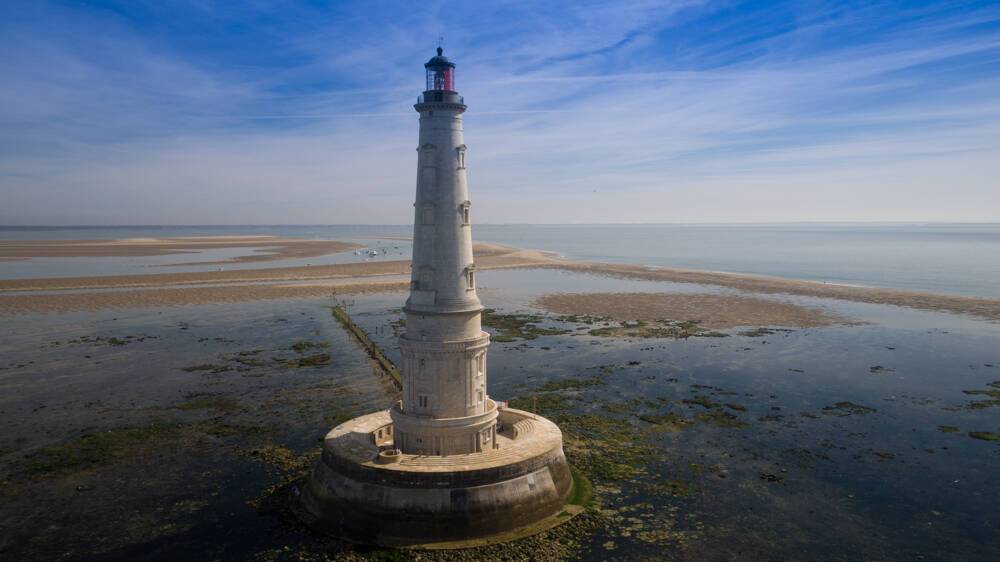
444,465
445,409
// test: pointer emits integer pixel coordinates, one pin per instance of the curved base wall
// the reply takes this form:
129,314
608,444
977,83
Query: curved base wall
424,499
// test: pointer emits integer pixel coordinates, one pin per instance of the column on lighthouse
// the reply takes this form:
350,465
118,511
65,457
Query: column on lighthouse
445,409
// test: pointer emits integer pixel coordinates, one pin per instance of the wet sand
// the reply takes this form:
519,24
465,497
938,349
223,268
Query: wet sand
178,296
988,309
706,310
122,291
265,248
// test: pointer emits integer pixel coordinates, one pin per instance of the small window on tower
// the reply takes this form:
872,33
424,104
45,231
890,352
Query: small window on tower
427,217
461,156
422,401
470,278
464,209
479,396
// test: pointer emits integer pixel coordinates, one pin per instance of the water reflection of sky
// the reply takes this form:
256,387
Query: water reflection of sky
889,479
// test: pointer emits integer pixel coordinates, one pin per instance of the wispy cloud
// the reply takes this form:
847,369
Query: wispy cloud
579,112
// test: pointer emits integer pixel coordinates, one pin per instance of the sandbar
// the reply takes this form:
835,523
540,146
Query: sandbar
21,296
264,248
705,309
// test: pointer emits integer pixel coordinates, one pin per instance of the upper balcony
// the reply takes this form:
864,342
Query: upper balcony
435,96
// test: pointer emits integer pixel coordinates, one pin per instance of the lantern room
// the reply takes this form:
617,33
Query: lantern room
440,73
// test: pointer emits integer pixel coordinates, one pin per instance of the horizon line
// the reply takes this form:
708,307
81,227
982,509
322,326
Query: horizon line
274,225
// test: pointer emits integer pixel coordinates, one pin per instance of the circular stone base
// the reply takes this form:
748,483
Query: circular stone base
520,485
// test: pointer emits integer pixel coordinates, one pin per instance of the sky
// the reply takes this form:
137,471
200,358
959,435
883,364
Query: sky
256,112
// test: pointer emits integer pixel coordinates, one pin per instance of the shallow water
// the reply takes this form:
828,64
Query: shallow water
938,257
796,446
171,494
881,484
192,261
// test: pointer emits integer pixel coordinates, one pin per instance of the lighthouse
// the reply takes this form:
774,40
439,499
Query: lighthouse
445,409
444,466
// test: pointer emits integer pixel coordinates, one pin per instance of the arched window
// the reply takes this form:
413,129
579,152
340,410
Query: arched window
464,209
460,154
470,278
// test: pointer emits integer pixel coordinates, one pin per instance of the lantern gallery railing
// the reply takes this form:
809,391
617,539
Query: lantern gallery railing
440,96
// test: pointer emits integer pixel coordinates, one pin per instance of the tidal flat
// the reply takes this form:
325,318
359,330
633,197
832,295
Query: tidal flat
173,432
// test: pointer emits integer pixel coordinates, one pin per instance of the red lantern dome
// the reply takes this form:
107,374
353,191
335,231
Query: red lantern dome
440,73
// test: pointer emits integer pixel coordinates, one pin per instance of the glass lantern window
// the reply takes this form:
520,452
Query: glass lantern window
441,79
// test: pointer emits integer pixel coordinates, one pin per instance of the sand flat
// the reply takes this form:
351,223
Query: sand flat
187,296
281,282
487,256
706,309
263,248
985,308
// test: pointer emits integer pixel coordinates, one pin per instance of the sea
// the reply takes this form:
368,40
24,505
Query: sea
953,258
181,432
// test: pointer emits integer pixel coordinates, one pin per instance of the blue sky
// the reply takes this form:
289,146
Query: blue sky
206,112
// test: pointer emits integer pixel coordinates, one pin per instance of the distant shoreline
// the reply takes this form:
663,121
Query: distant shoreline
28,227
63,294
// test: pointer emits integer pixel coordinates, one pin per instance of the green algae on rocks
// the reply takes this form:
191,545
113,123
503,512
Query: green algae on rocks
98,449
212,368
513,327
545,403
666,329
701,400
570,384
316,360
282,457
992,401
760,332
671,421
213,402
670,487
303,346
722,419
123,444
845,408
985,436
